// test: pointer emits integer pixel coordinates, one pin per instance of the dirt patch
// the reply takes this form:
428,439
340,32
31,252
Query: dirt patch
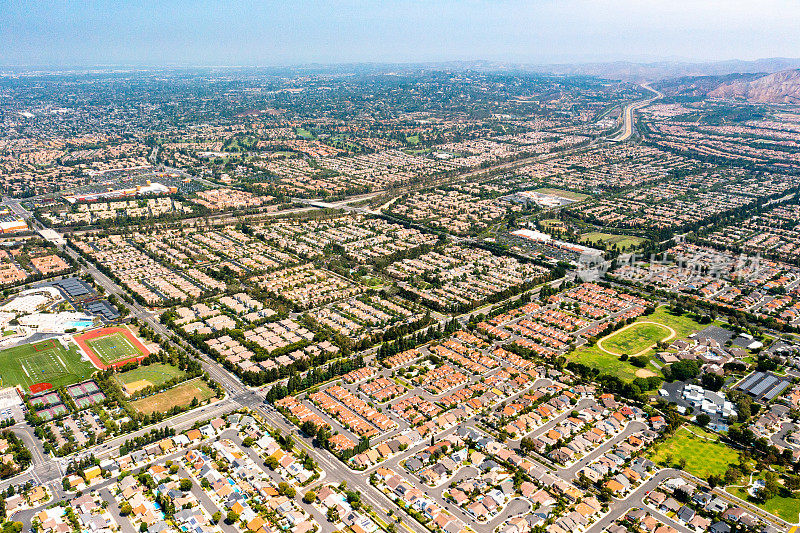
135,386
644,373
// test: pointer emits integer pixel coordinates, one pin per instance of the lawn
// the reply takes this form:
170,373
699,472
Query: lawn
786,508
548,224
304,133
636,338
703,457
43,362
180,395
626,242
147,376
412,139
610,364
569,195
682,324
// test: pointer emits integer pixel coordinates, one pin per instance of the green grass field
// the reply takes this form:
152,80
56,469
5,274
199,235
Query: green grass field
785,507
180,395
703,457
596,238
52,363
113,348
636,338
146,376
569,195
304,133
682,324
610,364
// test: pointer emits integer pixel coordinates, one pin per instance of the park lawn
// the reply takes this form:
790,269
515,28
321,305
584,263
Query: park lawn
180,395
25,366
304,133
412,139
146,376
682,324
703,457
610,364
786,508
626,242
548,224
634,339
114,347
569,195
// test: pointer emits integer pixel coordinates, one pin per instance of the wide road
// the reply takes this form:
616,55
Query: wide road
628,123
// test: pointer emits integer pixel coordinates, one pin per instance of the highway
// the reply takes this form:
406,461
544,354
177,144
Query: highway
628,122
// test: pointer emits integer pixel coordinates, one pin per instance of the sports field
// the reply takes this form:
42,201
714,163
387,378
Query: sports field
609,363
561,193
621,242
111,346
42,362
142,377
114,347
704,456
181,395
635,338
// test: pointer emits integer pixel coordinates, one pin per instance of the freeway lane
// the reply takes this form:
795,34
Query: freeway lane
628,123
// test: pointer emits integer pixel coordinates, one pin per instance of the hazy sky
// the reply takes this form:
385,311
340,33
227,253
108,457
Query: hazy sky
241,32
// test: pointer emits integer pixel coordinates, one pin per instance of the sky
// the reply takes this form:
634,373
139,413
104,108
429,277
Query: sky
292,32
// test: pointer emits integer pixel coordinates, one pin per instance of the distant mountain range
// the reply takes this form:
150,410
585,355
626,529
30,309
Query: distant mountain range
761,88
640,72
778,88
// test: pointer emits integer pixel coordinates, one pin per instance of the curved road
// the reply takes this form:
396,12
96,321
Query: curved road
628,126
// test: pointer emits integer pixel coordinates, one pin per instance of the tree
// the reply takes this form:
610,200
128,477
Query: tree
333,514
309,497
732,475
125,509
702,420
684,370
185,485
232,517
216,517
527,445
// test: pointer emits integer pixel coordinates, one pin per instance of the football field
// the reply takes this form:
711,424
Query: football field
114,347
42,362
111,346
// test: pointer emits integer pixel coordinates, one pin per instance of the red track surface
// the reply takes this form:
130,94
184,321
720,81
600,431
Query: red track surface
39,387
102,332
